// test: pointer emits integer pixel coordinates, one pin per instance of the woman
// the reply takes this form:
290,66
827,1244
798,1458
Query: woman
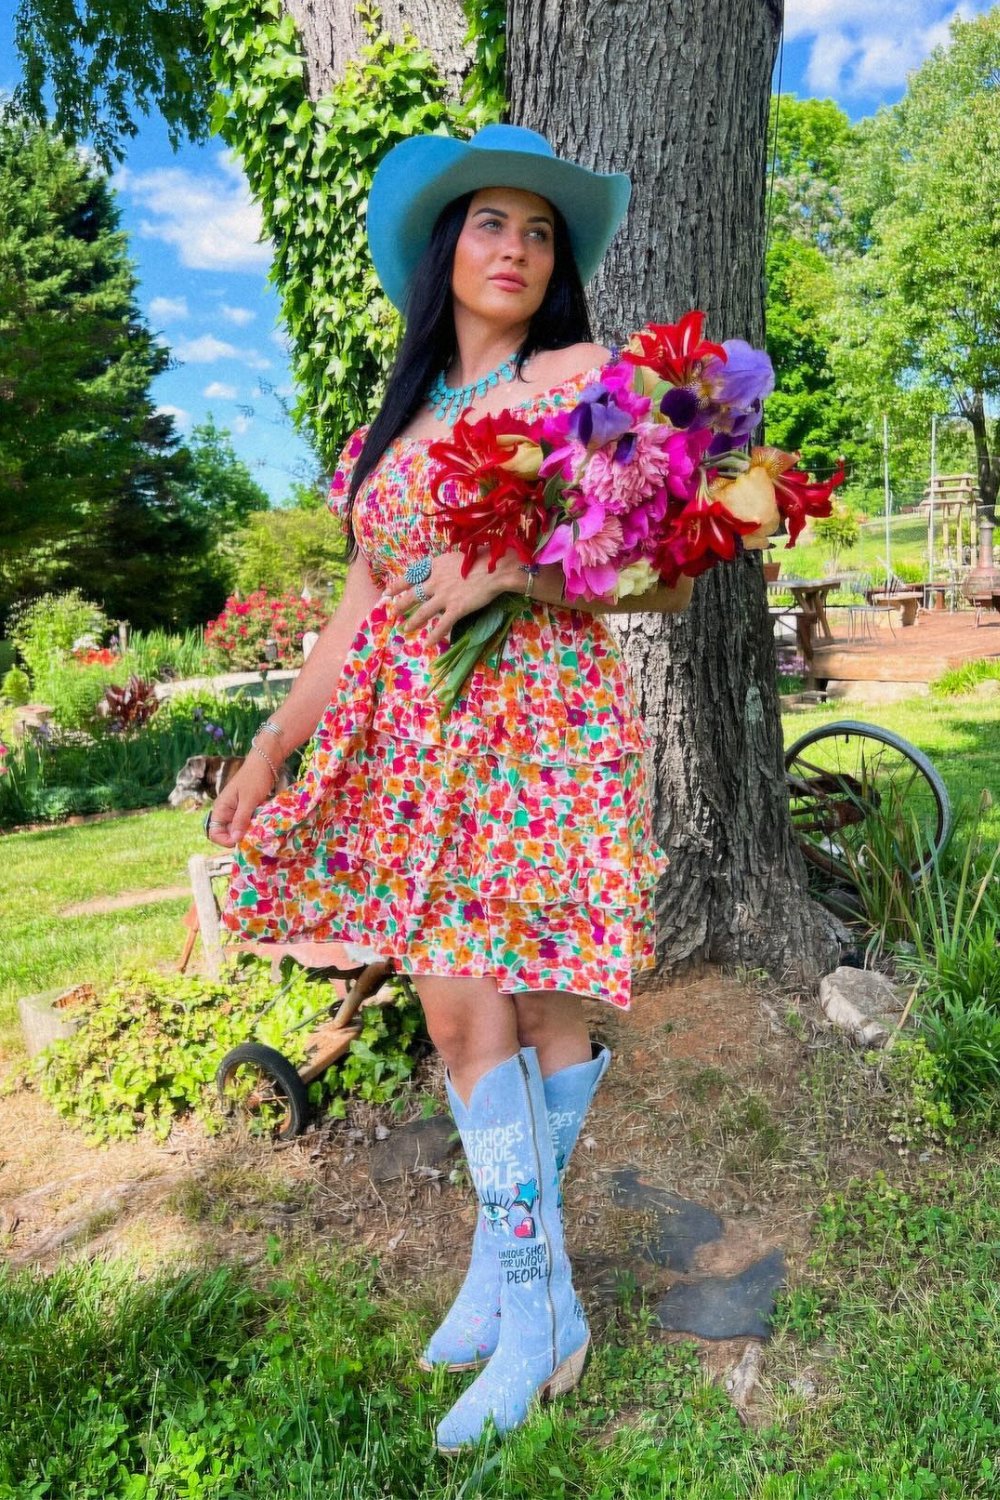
503,857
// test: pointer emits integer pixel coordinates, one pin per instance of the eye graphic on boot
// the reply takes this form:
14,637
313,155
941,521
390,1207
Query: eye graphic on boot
495,1212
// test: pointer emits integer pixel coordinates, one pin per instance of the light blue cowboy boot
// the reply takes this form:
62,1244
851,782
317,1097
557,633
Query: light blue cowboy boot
467,1337
544,1335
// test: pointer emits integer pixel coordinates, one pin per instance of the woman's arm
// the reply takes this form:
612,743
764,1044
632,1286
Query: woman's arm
313,687
548,587
299,714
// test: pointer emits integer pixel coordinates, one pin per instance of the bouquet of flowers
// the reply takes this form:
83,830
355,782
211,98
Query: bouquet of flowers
647,478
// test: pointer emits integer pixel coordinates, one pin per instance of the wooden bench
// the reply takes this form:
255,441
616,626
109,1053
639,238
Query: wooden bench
907,602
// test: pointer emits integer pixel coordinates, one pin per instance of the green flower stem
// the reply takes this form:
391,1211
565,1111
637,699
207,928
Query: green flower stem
479,637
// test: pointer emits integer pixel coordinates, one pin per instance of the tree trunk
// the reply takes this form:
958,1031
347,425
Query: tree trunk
987,463
332,34
681,104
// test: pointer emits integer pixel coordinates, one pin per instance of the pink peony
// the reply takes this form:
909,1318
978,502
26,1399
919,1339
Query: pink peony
586,546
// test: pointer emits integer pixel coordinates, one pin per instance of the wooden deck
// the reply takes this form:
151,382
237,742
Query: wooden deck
938,642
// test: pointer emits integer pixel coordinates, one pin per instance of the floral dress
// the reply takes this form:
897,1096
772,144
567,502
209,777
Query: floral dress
511,839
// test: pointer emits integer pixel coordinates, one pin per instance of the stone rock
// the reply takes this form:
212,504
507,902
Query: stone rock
681,1226
415,1147
726,1307
988,688
862,1003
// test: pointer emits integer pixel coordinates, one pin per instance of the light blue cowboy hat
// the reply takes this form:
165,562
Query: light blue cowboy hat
420,175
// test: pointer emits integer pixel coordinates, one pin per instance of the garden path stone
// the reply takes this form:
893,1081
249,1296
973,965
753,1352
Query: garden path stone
862,1003
681,1225
725,1307
421,1144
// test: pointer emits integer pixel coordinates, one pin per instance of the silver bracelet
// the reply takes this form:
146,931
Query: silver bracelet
269,727
531,569
265,757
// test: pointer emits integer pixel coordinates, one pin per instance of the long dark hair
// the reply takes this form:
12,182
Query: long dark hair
429,344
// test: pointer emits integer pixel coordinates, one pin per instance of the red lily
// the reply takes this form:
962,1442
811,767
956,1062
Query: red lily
796,494
704,533
673,350
508,512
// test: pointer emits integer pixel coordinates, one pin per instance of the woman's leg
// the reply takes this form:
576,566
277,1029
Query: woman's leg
552,1022
472,1025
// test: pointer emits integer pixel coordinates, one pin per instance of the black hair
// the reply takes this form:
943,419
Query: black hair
429,345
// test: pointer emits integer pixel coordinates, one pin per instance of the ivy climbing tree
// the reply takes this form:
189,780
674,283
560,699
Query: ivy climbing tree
309,124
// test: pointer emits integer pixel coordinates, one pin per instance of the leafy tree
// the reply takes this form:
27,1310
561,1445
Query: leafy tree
915,325
285,551
220,488
809,141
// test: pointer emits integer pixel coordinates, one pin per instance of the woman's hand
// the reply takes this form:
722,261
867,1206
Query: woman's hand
449,595
238,801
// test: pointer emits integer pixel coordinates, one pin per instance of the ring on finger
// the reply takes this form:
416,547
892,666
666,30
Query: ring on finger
420,591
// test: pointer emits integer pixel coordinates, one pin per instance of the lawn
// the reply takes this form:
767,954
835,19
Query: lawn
908,544
44,872
960,735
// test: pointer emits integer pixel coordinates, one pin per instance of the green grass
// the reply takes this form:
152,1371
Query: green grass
908,544
961,735
305,1382
43,872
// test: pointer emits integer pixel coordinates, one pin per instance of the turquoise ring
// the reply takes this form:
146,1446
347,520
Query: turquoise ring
418,572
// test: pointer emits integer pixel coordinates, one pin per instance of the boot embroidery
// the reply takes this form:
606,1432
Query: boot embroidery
497,1210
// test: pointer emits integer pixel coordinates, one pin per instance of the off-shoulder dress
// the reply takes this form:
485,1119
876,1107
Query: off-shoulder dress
511,839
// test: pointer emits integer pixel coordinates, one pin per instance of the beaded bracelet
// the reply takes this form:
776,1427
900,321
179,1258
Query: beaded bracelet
265,757
531,569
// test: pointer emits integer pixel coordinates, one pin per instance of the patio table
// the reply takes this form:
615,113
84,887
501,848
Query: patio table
810,594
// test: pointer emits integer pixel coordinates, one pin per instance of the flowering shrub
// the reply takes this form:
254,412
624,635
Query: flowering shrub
95,656
237,639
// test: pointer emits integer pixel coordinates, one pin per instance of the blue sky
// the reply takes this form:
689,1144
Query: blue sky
193,229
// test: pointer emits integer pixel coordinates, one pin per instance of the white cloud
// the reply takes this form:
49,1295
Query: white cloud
218,390
209,217
865,49
168,309
180,416
205,351
241,316
255,361
240,425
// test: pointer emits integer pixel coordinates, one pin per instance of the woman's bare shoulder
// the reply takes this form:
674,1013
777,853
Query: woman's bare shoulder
555,365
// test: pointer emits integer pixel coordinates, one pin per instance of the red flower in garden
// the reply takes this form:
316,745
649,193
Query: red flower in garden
673,350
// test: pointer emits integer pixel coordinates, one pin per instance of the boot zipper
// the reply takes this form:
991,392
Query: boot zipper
545,1236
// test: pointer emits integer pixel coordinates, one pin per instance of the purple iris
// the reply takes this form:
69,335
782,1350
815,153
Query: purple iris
746,377
679,406
598,419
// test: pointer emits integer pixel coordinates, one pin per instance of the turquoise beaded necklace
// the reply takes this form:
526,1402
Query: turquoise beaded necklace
448,401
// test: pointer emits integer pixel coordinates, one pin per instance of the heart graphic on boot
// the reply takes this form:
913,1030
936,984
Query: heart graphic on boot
526,1229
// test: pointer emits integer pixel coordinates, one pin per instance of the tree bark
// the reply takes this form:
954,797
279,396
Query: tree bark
680,102
987,462
332,35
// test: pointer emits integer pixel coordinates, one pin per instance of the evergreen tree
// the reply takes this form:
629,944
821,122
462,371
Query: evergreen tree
94,489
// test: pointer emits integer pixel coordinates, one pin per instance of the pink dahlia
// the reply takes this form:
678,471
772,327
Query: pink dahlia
654,458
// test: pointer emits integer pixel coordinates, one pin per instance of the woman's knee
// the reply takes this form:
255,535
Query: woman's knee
467,1020
543,1016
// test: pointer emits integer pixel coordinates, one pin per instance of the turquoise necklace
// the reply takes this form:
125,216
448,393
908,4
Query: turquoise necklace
448,401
